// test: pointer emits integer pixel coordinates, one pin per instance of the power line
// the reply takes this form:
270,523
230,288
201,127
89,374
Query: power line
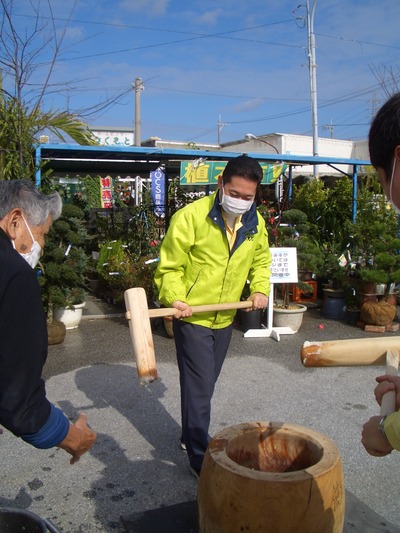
357,41
194,36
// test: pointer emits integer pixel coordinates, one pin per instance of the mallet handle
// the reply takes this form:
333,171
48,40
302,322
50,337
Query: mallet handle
388,404
171,311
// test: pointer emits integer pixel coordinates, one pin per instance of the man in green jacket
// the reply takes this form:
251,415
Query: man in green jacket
211,248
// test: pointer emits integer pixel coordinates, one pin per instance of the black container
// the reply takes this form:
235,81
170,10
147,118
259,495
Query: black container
22,521
352,316
251,319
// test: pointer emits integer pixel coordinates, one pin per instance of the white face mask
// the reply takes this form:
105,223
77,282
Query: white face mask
32,257
235,206
397,209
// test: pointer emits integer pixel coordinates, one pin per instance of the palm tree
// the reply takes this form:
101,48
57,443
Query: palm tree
22,118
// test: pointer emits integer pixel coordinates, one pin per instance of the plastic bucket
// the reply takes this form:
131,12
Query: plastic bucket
22,521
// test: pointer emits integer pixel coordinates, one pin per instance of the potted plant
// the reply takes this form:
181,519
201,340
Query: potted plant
119,270
63,267
352,307
375,244
292,232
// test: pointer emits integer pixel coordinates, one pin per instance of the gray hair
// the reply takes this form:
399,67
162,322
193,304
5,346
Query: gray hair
36,206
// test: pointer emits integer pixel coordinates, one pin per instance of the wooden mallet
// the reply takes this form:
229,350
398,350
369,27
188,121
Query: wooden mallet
357,352
388,403
138,315
348,352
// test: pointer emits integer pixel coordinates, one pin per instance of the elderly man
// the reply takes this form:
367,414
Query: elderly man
26,216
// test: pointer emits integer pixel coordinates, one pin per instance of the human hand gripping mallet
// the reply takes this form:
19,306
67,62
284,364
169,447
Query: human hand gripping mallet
360,352
374,438
138,315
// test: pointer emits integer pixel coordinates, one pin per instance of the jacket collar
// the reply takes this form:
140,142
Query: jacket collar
249,221
5,237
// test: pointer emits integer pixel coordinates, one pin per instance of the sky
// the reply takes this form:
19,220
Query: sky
215,69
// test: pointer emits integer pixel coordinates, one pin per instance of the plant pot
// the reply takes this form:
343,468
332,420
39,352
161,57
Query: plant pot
333,305
290,318
251,319
93,285
55,332
70,317
380,288
15,520
367,287
352,316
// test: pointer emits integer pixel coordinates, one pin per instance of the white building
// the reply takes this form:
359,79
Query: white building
302,145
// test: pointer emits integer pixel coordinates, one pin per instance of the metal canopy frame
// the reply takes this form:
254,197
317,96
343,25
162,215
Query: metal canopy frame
115,157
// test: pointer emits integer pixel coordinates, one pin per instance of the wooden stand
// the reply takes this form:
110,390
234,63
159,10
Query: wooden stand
302,296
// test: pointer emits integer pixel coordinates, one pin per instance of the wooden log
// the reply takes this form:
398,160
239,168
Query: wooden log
348,352
272,477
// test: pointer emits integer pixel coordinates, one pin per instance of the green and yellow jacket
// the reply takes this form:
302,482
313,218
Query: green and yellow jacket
196,265
392,429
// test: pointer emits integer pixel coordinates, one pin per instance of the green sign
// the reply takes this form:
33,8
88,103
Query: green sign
207,172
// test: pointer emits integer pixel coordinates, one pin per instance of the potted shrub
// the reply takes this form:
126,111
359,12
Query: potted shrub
375,244
293,232
119,270
63,266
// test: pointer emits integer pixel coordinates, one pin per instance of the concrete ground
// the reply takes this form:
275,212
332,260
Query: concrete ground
137,465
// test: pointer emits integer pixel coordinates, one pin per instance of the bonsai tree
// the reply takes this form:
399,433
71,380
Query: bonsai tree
64,261
375,241
293,232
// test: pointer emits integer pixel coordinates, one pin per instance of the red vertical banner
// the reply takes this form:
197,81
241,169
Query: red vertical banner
106,192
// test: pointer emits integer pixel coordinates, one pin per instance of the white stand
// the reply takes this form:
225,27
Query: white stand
269,331
283,270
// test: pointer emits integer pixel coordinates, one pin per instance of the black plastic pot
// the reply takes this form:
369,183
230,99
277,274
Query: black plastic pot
251,319
352,316
20,520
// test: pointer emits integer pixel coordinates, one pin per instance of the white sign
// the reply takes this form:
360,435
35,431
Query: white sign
114,138
284,265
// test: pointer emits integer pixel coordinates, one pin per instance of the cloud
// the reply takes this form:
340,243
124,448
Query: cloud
150,8
248,105
74,32
210,17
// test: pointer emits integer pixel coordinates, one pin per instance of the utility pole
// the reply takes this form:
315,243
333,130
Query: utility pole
138,87
220,126
329,127
312,65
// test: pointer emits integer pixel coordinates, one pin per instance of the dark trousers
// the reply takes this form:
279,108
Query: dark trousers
200,352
